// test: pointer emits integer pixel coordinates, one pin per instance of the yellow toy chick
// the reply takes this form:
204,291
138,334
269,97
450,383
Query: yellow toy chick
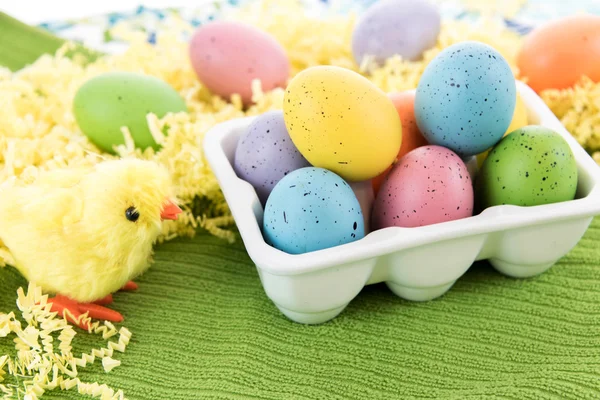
85,234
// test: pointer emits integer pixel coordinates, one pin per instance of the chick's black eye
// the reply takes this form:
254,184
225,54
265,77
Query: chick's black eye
131,214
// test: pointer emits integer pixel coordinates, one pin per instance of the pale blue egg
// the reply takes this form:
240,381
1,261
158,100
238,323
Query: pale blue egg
466,98
312,209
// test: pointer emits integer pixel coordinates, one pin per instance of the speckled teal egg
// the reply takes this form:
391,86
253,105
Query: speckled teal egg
312,209
466,98
105,103
531,166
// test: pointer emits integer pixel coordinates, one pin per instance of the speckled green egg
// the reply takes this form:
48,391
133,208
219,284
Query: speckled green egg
531,166
105,103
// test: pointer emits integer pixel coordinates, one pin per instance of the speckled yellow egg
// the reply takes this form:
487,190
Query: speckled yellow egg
341,121
519,120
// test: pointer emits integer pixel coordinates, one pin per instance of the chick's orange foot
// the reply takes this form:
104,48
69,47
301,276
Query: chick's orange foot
105,300
131,285
74,311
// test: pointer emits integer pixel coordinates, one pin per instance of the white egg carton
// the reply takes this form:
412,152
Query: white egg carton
416,263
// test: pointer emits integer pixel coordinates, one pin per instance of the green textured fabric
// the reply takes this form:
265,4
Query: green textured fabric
203,328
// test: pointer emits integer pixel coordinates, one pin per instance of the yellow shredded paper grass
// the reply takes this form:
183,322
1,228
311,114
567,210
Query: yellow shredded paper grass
39,132
39,364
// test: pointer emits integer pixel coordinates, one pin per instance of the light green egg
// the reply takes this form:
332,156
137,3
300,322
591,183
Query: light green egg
105,103
530,166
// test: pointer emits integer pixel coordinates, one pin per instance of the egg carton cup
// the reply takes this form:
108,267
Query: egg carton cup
419,263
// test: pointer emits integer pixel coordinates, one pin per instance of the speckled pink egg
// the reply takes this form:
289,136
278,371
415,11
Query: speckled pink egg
429,185
228,56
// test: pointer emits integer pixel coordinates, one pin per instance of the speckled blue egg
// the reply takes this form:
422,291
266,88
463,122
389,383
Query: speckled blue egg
312,209
466,98
265,153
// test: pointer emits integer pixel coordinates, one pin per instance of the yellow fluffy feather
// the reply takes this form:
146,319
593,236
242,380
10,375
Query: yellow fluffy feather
69,232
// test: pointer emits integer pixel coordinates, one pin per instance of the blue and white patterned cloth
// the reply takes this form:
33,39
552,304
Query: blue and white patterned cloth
93,31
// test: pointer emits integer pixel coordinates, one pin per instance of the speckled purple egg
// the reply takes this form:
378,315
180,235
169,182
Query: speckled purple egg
265,154
396,27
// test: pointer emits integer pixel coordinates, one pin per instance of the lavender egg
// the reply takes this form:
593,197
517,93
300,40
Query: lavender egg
265,154
396,27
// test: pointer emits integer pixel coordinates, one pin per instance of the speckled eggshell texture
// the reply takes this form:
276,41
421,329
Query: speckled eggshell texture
265,153
341,121
396,27
466,98
312,209
531,166
519,120
428,185
227,56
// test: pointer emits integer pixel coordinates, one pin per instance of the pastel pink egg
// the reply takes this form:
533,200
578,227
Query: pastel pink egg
429,185
227,56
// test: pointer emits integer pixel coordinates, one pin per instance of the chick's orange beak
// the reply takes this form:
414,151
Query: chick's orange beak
170,211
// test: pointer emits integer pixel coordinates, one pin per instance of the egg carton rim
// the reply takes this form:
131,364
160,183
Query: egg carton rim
247,209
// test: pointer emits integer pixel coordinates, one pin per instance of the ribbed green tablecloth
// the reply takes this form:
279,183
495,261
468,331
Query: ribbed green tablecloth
203,328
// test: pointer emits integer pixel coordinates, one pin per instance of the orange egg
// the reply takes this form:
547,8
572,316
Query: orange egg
411,136
378,180
557,54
